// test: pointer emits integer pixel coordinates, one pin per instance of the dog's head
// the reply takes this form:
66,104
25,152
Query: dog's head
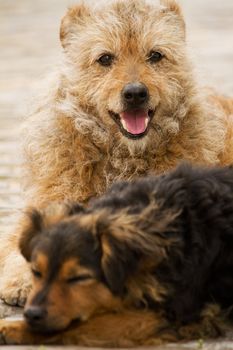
127,63
85,264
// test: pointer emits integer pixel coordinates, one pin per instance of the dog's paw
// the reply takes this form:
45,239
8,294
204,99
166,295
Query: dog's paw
17,333
7,337
15,282
13,294
11,333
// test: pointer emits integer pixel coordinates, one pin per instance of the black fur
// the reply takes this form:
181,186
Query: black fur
199,266
203,271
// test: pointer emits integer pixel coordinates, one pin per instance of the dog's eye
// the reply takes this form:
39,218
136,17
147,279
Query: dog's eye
106,60
36,273
155,56
80,278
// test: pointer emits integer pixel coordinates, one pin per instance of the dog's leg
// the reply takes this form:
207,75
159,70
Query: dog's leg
210,325
125,329
15,282
17,333
15,277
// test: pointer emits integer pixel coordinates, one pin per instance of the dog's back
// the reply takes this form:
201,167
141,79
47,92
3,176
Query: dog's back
186,186
199,268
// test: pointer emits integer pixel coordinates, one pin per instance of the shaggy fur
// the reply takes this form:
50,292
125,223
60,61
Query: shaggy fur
76,144
74,149
160,246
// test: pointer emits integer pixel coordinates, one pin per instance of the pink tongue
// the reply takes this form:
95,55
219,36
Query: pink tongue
135,121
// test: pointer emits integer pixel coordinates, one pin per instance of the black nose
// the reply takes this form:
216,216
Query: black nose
135,94
35,314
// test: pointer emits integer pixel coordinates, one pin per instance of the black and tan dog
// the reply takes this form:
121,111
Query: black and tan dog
143,262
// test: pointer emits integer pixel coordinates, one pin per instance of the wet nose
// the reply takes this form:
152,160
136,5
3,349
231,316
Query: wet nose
135,94
35,314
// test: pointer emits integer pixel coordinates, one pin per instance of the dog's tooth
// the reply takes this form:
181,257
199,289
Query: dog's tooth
124,124
146,121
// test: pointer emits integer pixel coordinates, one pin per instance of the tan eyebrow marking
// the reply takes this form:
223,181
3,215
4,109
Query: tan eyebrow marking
72,267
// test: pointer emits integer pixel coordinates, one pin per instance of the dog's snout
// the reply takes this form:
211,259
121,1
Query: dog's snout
35,314
135,94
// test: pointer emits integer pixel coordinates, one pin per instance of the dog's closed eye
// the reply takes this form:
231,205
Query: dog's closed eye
79,278
36,273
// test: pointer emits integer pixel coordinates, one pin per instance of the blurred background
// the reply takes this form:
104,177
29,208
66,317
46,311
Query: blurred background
29,47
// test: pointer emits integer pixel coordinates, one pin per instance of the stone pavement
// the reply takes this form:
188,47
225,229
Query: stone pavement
29,46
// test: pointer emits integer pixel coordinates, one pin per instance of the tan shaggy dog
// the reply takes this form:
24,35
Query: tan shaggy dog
123,104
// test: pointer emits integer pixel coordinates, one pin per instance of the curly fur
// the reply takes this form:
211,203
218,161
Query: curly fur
74,150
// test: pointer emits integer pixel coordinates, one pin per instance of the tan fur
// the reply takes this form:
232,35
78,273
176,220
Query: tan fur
129,328
67,301
109,330
73,149
90,296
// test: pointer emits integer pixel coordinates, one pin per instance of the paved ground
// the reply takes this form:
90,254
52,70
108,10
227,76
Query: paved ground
29,46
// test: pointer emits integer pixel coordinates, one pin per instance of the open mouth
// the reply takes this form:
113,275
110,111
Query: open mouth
133,124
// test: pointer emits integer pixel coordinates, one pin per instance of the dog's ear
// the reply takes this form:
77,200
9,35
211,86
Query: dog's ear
172,6
73,208
118,262
119,245
122,245
75,17
31,226
35,221
126,239
57,211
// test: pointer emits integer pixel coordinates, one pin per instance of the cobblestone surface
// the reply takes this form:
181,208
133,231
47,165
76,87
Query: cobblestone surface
29,46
